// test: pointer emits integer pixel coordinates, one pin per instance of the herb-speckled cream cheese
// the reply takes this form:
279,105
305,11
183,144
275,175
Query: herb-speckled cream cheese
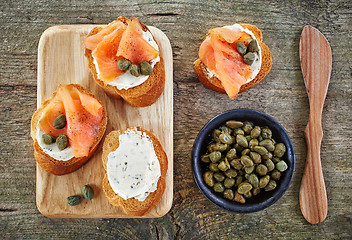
133,169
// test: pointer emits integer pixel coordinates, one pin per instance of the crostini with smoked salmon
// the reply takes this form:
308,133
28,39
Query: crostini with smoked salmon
233,59
67,129
125,61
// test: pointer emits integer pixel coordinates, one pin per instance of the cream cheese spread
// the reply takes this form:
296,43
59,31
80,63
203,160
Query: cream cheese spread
133,169
256,65
127,80
52,150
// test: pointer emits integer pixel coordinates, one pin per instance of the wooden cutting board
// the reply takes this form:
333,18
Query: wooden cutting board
61,61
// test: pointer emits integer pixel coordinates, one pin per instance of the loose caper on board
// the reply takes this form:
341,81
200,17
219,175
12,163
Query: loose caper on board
243,160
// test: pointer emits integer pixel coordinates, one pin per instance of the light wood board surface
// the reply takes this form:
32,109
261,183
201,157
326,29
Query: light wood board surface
61,61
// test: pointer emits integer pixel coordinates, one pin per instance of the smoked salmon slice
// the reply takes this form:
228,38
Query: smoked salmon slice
219,54
83,115
119,40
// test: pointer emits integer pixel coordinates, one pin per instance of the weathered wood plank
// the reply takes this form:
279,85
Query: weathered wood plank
281,94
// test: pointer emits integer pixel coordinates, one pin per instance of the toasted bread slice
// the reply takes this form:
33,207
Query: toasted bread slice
140,96
133,206
214,83
52,165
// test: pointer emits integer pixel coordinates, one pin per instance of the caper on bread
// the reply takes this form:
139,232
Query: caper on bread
67,129
125,61
222,68
122,148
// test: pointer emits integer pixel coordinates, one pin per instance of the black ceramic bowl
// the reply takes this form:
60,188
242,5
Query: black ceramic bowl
265,198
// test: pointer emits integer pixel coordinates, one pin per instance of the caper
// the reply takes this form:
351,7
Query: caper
242,141
248,194
215,156
244,187
62,141
281,166
226,129
280,150
226,138
218,176
241,48
239,180
216,135
231,154
264,181
239,198
247,127
270,165
205,158
270,186
275,174
229,182
220,147
261,169
256,157
255,132
211,147
268,144
267,156
252,143
236,164
213,167
239,132
260,138
231,173
135,70
260,149
234,124
249,169
266,133
73,200
254,180
123,64
255,191
218,187
146,68
87,192
223,166
48,139
253,46
245,151
228,193
246,161
248,137
249,58
208,178
59,122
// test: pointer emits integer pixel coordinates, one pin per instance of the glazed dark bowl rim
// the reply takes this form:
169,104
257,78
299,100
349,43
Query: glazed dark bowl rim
241,114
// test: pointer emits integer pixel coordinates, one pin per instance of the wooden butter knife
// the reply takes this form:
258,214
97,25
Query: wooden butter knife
316,64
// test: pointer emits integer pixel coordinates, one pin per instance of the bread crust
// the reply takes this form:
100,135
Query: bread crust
214,83
133,206
52,165
142,95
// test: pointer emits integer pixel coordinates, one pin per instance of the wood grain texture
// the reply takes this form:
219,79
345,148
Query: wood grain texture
281,94
316,64
61,60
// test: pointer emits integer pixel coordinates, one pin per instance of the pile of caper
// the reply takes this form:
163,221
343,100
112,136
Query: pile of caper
243,160
61,140
144,68
248,52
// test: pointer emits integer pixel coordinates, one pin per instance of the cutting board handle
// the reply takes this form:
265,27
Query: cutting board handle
312,196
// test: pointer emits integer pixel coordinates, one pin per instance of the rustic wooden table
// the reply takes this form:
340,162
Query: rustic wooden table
281,94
